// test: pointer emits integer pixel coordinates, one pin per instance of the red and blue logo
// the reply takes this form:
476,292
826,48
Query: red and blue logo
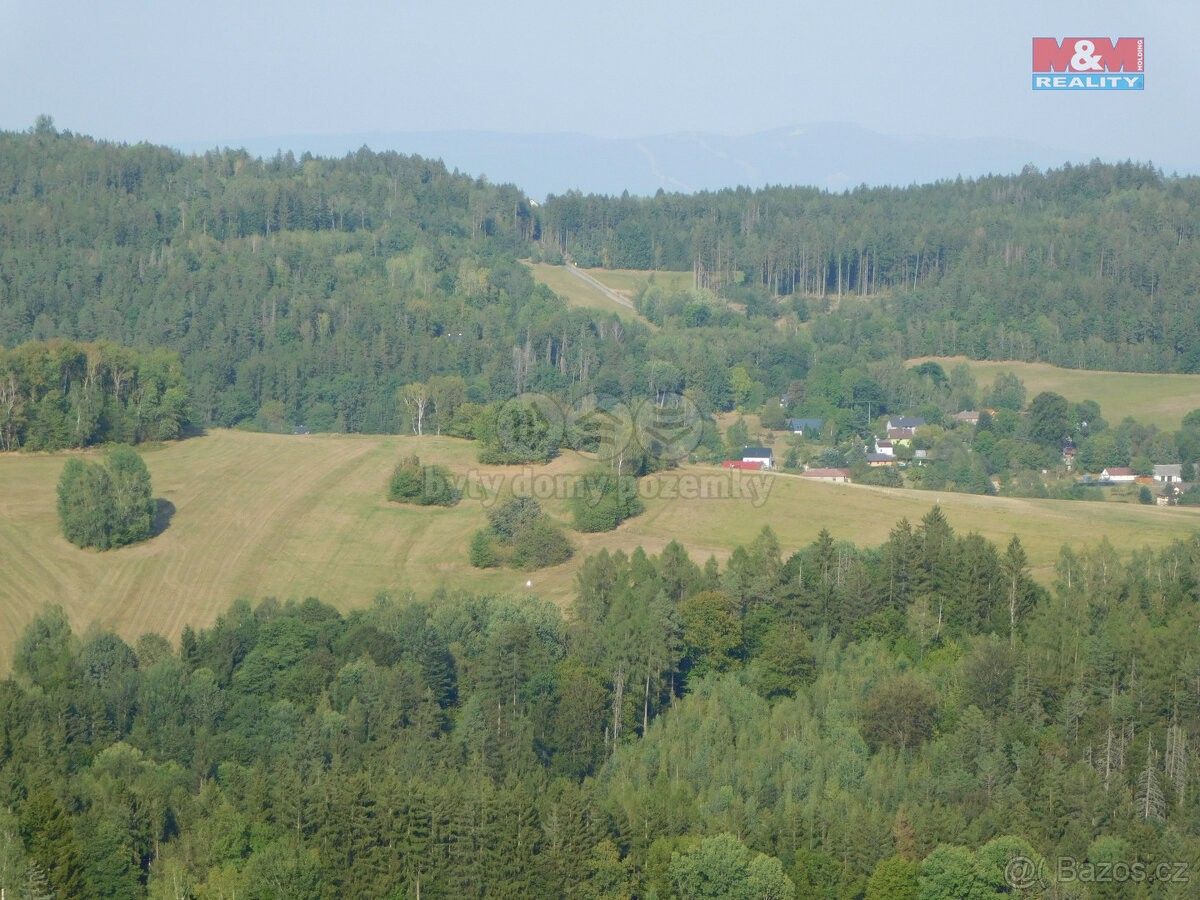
1089,64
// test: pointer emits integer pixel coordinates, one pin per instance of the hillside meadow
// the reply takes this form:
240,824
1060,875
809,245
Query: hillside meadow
1151,398
577,292
257,515
630,281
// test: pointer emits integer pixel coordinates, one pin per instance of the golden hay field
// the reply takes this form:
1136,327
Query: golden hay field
259,515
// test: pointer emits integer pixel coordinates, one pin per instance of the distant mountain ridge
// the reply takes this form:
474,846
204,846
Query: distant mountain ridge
834,156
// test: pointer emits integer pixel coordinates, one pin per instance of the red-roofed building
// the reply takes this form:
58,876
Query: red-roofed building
745,464
1119,475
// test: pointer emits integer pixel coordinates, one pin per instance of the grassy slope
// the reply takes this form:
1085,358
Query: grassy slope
272,515
630,281
577,292
1160,400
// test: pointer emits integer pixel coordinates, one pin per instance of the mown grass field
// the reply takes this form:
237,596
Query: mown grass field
259,515
1153,399
577,292
630,281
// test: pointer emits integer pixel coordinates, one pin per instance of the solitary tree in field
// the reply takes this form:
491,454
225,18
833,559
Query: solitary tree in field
106,504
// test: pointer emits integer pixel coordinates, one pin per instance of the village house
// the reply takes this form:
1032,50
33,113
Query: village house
1118,475
966,417
841,476
806,427
910,422
876,460
1168,474
901,435
762,455
885,448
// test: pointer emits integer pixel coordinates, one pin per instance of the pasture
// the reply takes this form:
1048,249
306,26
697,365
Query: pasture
259,515
1153,399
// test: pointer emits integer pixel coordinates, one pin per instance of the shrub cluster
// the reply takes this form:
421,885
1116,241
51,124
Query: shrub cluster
106,504
520,535
414,483
603,500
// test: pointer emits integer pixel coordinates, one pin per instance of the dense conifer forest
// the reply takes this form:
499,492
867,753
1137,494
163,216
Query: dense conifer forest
1086,266
830,721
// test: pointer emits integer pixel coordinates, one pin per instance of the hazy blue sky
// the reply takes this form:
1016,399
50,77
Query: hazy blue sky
222,70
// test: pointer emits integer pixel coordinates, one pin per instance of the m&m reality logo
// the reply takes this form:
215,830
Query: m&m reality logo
1089,64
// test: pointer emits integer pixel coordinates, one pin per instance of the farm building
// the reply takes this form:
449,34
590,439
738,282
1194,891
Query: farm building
1168,474
763,455
875,460
1119,475
742,464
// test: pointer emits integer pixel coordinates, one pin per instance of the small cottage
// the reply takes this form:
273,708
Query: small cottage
763,455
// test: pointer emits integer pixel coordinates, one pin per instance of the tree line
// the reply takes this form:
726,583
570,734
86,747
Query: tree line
59,394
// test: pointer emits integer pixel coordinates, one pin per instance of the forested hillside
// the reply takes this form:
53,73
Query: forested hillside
832,722
1086,266
307,291
318,285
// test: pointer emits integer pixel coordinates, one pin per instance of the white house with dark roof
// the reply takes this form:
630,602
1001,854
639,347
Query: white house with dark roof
1169,474
762,455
